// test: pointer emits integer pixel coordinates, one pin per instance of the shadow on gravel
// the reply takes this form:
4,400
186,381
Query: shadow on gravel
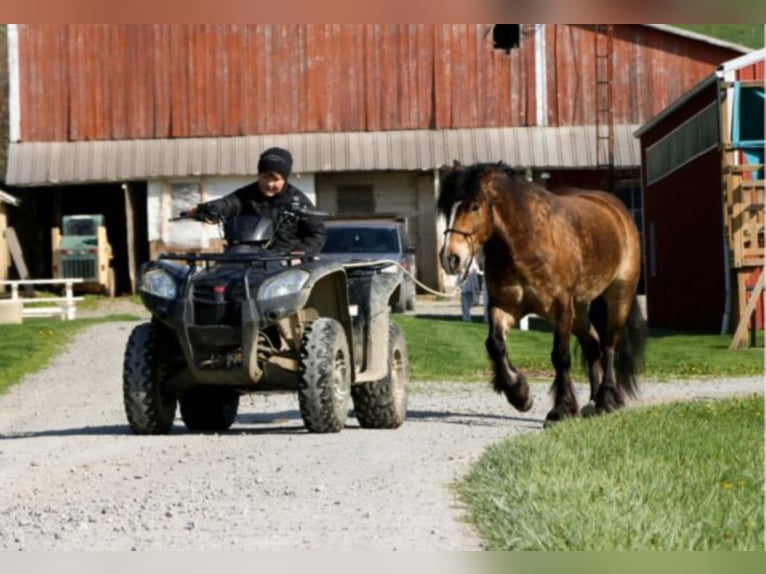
288,422
84,431
470,419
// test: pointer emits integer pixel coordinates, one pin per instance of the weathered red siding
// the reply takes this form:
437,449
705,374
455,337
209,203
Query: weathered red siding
102,82
651,69
687,291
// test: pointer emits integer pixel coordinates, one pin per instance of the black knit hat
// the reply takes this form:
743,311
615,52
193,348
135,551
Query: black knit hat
277,160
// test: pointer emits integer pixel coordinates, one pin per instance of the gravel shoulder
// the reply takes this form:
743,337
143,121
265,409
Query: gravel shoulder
73,477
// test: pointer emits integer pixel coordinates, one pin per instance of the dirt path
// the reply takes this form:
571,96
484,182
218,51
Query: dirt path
73,477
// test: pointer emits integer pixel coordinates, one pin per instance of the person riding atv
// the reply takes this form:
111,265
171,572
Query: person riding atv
259,319
269,196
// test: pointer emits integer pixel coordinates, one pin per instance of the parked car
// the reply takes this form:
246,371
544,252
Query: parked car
360,240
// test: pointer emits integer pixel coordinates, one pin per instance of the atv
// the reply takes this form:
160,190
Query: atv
249,320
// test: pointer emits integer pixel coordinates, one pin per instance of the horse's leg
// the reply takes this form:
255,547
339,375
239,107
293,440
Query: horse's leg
610,398
588,337
565,401
507,379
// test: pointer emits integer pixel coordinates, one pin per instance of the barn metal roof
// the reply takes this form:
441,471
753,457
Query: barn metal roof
45,163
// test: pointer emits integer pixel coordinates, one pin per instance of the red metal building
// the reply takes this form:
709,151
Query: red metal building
703,241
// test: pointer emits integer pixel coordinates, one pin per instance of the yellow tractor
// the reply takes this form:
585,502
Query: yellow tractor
81,250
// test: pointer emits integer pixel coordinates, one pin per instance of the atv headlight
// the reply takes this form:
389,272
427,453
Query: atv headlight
286,283
159,282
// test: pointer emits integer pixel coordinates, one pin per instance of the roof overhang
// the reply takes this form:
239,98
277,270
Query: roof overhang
574,147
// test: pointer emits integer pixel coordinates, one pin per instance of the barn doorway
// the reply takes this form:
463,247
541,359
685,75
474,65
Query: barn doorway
42,208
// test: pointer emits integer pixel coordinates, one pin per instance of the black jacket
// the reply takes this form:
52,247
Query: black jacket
307,233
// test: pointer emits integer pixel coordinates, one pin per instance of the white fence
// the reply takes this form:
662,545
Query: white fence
64,307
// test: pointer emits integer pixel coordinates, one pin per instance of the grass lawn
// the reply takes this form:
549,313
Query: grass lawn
674,477
30,346
445,348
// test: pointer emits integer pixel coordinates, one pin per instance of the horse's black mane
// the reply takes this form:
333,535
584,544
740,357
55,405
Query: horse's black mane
462,183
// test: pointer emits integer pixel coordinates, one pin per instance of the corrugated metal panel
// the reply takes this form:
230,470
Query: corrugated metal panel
77,162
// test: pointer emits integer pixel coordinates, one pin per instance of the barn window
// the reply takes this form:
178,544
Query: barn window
184,195
506,36
356,199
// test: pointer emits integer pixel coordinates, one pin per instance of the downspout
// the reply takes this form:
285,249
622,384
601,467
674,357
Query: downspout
726,318
541,75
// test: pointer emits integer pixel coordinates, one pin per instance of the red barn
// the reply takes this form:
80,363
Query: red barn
134,120
702,177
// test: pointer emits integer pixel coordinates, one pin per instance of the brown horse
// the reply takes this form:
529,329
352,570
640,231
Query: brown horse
572,257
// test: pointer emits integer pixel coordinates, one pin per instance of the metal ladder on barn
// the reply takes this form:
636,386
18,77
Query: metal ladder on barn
603,37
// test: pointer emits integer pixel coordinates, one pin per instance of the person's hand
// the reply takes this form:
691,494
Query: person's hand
299,260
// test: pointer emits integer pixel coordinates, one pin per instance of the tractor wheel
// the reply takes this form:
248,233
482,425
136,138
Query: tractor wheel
383,404
150,408
323,392
209,410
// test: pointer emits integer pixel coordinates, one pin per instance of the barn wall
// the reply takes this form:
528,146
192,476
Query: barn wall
651,69
102,82
683,213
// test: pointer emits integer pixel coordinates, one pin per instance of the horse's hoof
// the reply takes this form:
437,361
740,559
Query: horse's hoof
589,410
523,407
552,419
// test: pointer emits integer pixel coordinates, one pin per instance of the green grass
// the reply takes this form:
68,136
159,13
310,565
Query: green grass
438,348
449,349
676,477
750,35
30,346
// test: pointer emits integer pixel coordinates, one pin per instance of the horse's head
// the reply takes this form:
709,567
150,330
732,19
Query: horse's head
465,200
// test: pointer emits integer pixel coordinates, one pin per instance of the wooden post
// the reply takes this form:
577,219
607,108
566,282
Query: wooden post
130,223
741,332
18,258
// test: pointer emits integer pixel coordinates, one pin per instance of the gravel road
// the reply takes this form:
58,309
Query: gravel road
73,477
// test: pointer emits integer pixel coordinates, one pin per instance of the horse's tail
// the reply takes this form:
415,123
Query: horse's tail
629,356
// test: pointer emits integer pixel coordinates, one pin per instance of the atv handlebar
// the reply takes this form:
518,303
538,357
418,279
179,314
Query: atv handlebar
215,217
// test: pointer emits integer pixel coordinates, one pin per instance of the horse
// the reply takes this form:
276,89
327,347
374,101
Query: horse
572,257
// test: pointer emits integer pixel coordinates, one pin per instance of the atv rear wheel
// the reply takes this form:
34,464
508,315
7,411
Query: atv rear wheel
207,410
323,392
150,408
383,404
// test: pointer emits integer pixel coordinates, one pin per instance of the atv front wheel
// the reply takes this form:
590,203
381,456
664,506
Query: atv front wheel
209,410
150,409
383,404
323,391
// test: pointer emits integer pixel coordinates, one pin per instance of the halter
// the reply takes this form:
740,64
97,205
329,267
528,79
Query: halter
469,237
